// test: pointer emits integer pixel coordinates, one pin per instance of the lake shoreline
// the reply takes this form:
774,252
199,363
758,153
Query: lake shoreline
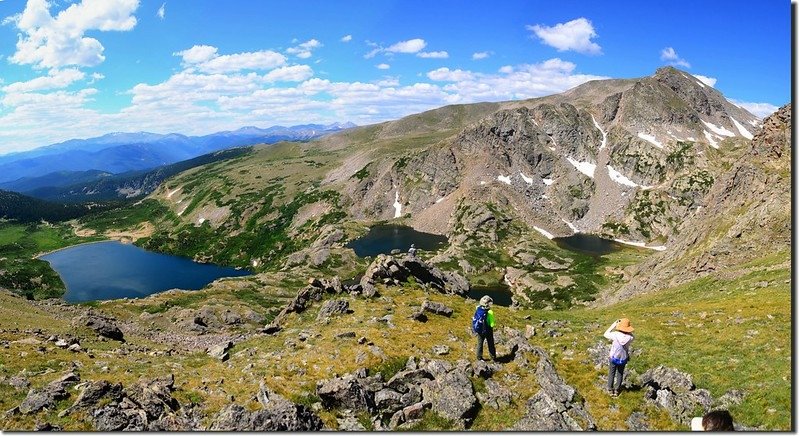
45,253
112,269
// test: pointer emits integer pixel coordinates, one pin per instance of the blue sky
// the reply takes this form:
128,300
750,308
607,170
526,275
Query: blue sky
72,69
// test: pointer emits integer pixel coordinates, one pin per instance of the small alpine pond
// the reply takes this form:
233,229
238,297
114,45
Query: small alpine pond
383,238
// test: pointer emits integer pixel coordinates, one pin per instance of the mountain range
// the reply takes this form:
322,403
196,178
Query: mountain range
123,152
697,190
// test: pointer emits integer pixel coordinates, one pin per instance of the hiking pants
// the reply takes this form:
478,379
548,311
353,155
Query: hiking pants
615,372
489,337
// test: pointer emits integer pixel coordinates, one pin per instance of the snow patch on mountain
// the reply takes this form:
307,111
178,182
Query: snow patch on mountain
642,245
397,205
718,129
742,129
504,179
586,168
571,226
604,134
544,232
548,182
651,139
620,178
529,180
710,139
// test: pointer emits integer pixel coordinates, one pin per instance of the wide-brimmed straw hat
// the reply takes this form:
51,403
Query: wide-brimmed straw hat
624,326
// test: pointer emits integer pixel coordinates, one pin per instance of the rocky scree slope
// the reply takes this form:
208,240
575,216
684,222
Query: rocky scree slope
627,158
745,215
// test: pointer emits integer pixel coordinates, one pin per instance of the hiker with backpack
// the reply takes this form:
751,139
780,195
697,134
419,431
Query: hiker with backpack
619,352
483,325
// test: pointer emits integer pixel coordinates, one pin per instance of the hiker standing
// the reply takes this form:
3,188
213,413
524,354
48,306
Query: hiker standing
412,251
483,324
619,352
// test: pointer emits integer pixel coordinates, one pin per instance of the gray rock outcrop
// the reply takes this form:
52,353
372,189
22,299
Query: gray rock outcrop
278,414
675,391
102,325
389,270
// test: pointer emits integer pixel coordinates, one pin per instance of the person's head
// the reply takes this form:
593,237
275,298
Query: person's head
624,326
717,420
486,301
413,246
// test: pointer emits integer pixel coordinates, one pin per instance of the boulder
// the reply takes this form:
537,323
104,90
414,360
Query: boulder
102,325
391,270
344,393
440,350
663,377
278,415
674,391
332,308
154,396
554,407
403,380
436,308
451,396
220,351
115,418
46,397
411,412
496,395
484,369
91,394
388,400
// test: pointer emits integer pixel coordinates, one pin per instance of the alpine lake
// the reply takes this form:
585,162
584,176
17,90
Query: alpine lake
109,270
388,238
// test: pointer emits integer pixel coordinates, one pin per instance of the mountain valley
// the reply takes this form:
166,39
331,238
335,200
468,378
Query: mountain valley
694,190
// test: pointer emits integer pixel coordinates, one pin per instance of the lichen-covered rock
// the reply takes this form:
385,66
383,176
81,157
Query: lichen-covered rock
344,393
553,407
436,308
332,308
102,325
278,414
46,397
451,396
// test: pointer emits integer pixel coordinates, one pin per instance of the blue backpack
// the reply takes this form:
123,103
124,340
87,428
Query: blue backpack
479,320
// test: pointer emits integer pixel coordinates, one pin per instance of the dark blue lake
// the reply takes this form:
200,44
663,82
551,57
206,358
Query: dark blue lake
588,244
109,270
382,239
499,292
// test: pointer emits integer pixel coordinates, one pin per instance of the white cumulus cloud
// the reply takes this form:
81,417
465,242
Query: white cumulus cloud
480,55
55,79
161,11
574,35
444,74
293,73
346,38
304,50
709,81
383,66
433,54
197,54
52,42
206,59
410,46
760,110
670,55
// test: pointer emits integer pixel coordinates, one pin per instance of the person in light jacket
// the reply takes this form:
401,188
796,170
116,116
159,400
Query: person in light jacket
619,352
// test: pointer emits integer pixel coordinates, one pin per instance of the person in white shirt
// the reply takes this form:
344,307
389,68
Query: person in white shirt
619,352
